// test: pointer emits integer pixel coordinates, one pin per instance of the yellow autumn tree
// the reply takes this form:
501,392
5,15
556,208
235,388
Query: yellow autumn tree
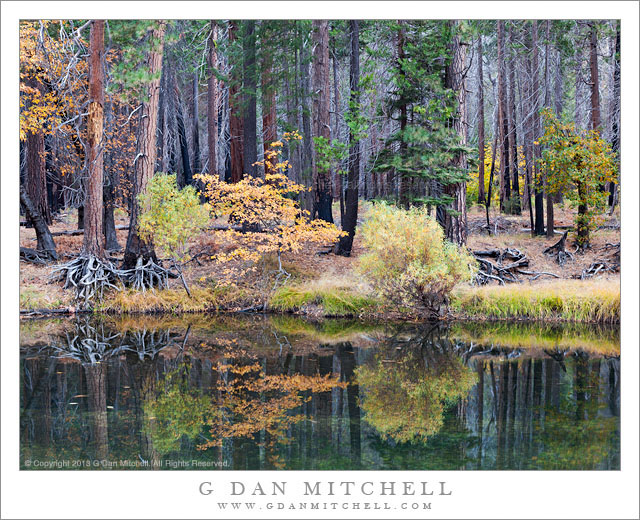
264,216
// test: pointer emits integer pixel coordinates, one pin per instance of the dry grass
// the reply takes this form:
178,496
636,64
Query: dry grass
171,300
570,300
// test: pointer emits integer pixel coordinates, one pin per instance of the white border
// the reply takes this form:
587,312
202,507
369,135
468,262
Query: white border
174,494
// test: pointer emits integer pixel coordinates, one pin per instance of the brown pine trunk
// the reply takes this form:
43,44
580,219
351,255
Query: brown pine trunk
212,102
269,122
321,122
93,214
235,115
146,149
481,194
250,138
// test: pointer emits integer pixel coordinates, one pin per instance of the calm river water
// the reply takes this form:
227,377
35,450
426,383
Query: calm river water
202,392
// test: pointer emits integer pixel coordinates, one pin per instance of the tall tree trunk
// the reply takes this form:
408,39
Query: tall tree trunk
455,227
108,191
547,103
43,235
307,132
195,130
36,178
93,240
351,204
212,101
146,149
404,182
235,114
250,113
321,121
527,125
335,134
480,125
537,132
513,141
503,116
269,121
595,83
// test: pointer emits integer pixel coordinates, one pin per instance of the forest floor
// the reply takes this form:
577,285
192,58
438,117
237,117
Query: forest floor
329,285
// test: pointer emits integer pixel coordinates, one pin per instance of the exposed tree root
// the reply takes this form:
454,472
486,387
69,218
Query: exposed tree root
88,275
558,250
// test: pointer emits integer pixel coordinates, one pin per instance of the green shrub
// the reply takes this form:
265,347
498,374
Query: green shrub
170,216
408,260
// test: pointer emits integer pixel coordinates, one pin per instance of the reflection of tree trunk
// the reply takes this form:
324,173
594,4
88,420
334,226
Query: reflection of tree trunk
480,409
324,401
502,414
347,364
513,389
581,379
97,402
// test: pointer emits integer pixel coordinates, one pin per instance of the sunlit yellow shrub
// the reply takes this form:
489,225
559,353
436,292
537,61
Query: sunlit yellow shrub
408,259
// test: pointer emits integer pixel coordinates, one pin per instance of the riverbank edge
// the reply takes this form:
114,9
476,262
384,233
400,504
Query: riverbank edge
566,301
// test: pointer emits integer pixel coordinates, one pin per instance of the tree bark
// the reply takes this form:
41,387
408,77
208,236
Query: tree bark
503,115
547,103
146,149
250,113
93,235
269,122
481,159
455,228
513,141
351,200
36,178
43,235
307,133
195,129
212,101
404,182
235,114
537,177
321,121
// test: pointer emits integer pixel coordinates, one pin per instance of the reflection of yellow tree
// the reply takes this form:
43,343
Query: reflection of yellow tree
251,402
246,402
404,399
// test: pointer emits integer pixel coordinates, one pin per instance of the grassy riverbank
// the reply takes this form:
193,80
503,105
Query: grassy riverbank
326,285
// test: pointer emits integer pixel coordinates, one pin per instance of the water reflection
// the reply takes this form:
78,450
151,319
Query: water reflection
287,394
